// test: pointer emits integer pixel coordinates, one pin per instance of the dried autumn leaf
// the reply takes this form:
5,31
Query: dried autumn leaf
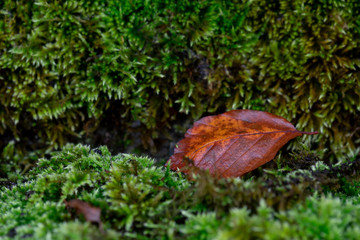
90,213
233,143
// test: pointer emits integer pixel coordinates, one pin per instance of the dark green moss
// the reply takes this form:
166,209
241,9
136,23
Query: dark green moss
70,67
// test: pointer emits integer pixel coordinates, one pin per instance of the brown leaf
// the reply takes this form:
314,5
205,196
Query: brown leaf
233,143
90,213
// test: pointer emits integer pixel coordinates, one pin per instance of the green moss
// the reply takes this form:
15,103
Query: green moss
318,218
139,200
68,67
128,189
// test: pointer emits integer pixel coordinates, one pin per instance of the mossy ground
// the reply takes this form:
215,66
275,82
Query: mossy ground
134,75
141,200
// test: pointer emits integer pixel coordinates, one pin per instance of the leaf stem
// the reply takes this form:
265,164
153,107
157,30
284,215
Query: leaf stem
309,133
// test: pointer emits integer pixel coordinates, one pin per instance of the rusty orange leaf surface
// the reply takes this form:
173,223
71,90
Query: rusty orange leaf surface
233,143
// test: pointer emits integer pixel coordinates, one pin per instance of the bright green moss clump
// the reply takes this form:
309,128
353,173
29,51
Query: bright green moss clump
128,189
68,67
139,200
324,218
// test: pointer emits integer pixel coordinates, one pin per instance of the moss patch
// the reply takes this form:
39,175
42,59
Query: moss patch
69,68
143,201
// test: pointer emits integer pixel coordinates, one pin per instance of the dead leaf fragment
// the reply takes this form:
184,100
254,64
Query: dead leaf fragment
90,213
233,143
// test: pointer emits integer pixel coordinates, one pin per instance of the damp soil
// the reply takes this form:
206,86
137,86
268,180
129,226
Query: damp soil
135,138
